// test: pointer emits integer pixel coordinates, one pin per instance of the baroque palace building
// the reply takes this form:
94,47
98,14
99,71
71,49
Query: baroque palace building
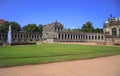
54,32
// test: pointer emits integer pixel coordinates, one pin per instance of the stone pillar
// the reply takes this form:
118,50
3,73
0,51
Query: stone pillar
66,36
28,36
37,36
81,37
100,38
91,38
103,37
74,37
84,38
117,31
63,36
71,37
88,38
97,38
40,36
57,35
77,37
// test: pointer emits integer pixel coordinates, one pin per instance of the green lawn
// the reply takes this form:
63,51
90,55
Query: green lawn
45,53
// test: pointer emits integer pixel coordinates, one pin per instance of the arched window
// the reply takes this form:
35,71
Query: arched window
114,31
119,32
62,36
95,37
98,37
89,37
68,36
86,37
58,36
92,37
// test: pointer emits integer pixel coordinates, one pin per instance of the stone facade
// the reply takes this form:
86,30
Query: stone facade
54,32
112,26
22,37
112,31
50,30
79,37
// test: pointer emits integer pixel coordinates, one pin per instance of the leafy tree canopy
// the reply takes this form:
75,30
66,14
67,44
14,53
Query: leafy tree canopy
98,30
15,27
40,27
87,27
30,28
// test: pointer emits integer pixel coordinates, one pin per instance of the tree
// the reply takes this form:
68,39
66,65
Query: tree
87,27
30,28
4,27
40,27
15,27
85,30
99,30
75,30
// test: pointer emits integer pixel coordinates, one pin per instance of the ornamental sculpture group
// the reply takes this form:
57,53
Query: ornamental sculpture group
54,32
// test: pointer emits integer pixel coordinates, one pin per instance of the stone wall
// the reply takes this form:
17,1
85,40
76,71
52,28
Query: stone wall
112,40
22,37
79,37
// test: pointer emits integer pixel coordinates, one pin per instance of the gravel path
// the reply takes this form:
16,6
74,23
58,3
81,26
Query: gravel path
105,66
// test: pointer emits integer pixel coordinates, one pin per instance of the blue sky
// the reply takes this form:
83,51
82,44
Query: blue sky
71,13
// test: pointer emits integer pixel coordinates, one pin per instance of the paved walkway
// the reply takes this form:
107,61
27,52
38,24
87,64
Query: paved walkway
105,66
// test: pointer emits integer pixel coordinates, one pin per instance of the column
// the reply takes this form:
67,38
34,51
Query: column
117,31
77,37
88,38
94,37
91,38
100,38
81,37
97,38
63,36
66,36
72,36
56,36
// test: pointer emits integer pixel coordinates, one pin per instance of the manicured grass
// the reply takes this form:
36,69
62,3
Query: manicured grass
45,53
